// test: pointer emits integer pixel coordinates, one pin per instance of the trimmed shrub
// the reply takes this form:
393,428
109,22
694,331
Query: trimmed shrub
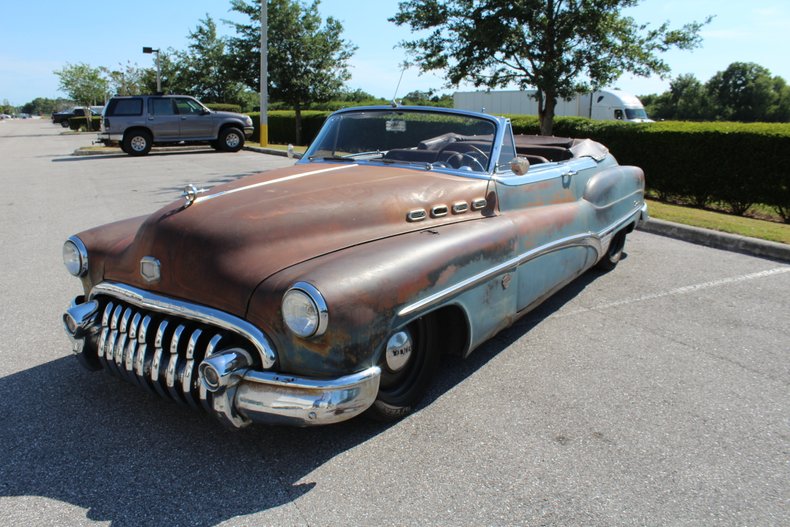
734,163
223,107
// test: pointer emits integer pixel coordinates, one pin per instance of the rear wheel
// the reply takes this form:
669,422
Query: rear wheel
137,143
230,139
408,366
615,252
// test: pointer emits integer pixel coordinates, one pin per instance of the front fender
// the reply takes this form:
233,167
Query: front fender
375,288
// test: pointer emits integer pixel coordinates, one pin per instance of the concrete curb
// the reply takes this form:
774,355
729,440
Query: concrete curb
271,151
718,240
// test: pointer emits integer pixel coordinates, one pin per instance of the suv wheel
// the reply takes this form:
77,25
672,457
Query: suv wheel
231,139
137,143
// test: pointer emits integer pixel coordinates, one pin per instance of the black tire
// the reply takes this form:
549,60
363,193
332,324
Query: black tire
400,391
64,123
137,143
122,144
230,139
615,252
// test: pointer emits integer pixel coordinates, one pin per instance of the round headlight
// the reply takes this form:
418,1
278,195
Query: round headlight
75,256
304,310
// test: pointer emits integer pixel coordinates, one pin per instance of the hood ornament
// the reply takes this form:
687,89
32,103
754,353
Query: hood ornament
190,194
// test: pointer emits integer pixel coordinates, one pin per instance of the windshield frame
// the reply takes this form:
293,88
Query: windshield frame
311,156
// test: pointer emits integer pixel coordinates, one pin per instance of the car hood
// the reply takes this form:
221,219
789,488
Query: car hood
217,250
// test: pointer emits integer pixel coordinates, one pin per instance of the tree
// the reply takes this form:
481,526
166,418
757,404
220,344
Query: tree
307,57
128,79
205,67
83,83
557,46
745,91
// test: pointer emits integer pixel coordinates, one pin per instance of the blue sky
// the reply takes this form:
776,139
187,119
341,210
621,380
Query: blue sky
35,41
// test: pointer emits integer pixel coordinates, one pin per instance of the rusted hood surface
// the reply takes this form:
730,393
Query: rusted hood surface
217,250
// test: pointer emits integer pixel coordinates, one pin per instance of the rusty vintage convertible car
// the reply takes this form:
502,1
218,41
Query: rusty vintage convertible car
310,294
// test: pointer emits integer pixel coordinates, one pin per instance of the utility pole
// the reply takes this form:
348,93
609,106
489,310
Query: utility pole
264,138
158,68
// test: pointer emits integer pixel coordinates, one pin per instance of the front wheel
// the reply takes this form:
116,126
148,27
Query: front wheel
231,139
614,254
64,123
408,366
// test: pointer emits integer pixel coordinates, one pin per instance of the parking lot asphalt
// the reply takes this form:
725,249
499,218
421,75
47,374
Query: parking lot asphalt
656,394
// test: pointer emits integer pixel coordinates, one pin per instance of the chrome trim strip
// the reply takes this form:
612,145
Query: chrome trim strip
588,239
460,207
188,310
201,199
189,368
172,366
479,203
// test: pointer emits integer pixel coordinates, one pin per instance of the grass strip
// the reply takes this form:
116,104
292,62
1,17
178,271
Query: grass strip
765,230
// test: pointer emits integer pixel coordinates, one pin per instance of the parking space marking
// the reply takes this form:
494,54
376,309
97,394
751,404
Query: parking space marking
680,290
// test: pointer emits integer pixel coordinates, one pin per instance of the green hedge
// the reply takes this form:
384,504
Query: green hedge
223,107
738,164
77,123
282,126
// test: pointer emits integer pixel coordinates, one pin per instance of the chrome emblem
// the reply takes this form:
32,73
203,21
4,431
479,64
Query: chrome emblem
150,269
190,194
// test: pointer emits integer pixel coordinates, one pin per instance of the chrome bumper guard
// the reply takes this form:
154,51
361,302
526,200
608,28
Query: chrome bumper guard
225,384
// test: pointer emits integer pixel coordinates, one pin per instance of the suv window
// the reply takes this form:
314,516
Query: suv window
187,106
161,107
118,107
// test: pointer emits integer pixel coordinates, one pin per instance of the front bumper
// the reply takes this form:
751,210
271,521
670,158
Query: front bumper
166,349
248,130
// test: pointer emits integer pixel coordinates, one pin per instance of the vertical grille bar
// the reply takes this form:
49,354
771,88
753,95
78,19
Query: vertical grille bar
205,396
156,364
189,376
172,367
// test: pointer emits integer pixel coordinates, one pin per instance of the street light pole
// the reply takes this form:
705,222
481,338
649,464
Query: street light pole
264,136
158,68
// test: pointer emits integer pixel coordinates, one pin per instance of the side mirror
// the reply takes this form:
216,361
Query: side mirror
205,111
519,165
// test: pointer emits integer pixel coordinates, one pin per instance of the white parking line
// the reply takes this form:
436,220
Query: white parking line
680,291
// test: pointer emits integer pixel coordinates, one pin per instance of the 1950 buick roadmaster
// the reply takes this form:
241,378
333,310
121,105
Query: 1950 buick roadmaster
310,294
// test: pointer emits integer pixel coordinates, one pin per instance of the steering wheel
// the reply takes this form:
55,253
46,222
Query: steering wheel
466,155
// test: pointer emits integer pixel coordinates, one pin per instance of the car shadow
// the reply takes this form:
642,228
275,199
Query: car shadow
130,458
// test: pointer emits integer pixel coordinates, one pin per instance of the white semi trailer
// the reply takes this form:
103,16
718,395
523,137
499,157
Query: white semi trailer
607,105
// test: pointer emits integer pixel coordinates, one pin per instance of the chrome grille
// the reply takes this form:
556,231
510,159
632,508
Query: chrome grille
159,352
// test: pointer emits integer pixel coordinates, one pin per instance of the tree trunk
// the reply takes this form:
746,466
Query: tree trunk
546,115
298,112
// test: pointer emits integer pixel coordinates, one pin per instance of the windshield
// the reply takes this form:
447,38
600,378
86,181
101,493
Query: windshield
635,113
423,138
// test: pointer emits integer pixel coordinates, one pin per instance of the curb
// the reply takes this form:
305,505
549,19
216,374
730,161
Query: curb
272,151
718,240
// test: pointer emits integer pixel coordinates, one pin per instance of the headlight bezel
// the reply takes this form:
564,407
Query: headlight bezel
312,297
77,248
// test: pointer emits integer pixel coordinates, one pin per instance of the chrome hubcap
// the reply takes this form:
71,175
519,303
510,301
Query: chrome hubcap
232,140
138,143
399,348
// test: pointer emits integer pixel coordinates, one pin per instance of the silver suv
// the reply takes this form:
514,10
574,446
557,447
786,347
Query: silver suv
139,122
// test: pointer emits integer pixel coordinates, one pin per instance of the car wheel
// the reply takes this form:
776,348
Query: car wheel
231,139
137,143
615,252
407,369
64,123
